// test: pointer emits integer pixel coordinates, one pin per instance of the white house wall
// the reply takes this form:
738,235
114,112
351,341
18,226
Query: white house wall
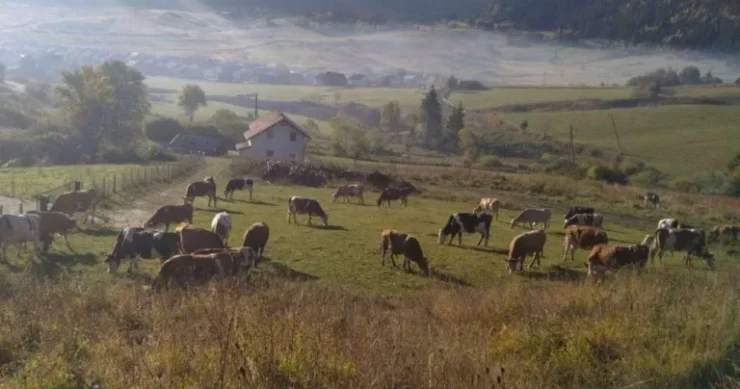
280,144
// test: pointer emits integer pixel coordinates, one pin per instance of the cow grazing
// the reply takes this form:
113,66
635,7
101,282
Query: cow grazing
56,223
528,243
466,223
346,192
652,198
205,188
582,237
489,206
578,210
135,242
306,206
532,217
668,223
19,229
238,184
581,219
256,238
187,269
221,225
81,201
605,257
169,214
399,243
389,194
193,239
681,240
726,231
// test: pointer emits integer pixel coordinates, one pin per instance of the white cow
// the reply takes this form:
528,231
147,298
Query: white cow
348,191
19,229
668,223
221,225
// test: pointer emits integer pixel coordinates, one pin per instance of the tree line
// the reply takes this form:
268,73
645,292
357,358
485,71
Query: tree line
680,23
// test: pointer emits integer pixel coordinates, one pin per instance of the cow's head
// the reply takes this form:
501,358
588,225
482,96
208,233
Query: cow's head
325,219
709,257
424,265
512,264
442,236
513,222
113,263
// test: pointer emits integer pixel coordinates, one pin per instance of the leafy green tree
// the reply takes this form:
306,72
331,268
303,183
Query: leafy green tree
455,123
690,75
469,144
390,117
311,126
431,118
163,129
229,124
191,98
451,83
105,104
347,140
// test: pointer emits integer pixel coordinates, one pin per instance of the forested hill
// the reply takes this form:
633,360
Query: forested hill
679,23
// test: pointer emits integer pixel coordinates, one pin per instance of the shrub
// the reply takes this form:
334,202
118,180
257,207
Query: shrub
683,184
490,162
15,119
163,130
605,173
649,177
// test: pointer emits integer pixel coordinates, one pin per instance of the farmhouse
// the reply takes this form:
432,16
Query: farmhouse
274,136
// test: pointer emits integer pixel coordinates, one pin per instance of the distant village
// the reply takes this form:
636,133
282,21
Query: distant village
49,63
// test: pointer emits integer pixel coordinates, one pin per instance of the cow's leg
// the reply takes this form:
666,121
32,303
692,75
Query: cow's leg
309,219
459,239
393,258
250,194
480,240
67,242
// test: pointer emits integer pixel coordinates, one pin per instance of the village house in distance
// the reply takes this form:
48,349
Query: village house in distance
274,136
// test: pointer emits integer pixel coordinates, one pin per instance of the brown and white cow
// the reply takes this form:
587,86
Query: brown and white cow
169,214
193,239
488,205
400,243
691,241
605,257
80,201
389,194
348,191
187,269
582,237
298,205
529,243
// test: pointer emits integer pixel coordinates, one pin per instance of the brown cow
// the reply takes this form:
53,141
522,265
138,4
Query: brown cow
185,269
81,201
306,206
203,188
55,223
169,214
399,243
347,191
582,237
256,237
728,231
193,239
389,194
528,243
605,257
488,205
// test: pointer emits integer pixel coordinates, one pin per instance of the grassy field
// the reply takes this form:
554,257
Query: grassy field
682,140
322,312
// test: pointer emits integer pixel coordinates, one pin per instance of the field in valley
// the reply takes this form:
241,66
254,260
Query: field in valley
322,312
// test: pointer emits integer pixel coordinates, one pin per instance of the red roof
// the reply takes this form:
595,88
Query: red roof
271,120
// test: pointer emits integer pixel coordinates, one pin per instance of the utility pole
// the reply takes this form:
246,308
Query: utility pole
616,135
256,111
572,150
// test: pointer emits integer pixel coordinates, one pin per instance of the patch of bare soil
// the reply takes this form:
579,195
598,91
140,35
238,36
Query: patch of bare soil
598,104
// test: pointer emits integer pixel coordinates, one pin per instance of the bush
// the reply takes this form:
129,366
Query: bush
14,119
163,130
683,184
605,173
490,162
649,177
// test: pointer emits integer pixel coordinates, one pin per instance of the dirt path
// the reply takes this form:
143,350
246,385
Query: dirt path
135,208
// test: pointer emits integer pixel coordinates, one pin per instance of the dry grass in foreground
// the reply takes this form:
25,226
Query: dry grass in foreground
653,330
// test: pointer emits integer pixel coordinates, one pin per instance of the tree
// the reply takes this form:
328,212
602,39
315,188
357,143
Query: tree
390,117
163,129
468,144
524,125
333,79
311,126
411,121
431,118
191,98
346,139
105,104
451,83
455,123
229,124
690,75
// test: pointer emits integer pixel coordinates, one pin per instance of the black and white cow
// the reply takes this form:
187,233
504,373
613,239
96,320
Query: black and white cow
133,242
238,184
576,210
468,223
652,198
584,219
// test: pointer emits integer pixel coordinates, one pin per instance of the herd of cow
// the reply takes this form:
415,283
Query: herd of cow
191,254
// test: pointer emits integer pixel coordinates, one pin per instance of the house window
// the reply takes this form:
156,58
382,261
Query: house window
293,136
269,134
292,156
270,153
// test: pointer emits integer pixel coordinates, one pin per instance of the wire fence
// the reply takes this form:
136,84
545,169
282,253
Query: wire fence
21,194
